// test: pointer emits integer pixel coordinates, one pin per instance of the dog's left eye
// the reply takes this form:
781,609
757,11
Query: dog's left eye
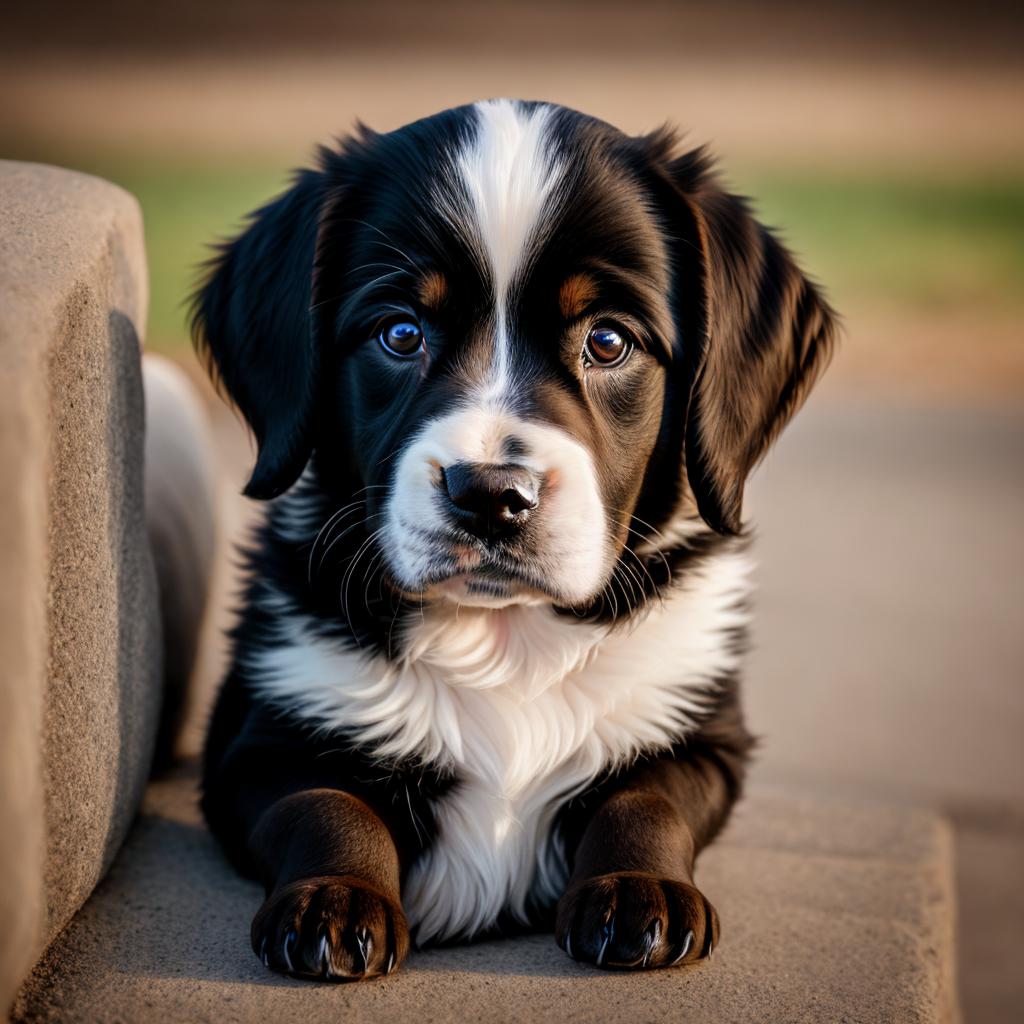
606,346
402,338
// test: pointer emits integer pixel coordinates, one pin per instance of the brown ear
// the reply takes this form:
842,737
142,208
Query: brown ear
764,334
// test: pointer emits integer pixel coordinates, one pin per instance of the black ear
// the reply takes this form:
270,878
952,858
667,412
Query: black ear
760,335
251,321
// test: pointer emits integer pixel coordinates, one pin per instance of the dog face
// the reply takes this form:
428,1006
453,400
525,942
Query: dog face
508,345
529,340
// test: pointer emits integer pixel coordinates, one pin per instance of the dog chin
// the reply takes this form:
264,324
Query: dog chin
476,591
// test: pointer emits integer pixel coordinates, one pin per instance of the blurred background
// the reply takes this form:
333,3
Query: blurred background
885,141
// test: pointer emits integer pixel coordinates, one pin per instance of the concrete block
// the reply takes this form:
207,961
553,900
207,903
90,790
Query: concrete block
830,912
80,658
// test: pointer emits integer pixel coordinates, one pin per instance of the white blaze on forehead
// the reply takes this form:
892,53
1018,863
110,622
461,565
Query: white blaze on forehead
508,171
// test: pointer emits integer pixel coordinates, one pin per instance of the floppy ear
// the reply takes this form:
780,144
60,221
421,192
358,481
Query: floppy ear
760,336
251,321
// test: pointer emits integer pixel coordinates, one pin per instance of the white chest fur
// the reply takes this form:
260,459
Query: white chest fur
526,707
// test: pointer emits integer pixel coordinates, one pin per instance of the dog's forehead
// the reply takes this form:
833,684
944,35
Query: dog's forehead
497,180
532,177
509,173
511,202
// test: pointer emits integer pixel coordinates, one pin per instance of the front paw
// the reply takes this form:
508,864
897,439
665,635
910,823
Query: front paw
635,921
331,928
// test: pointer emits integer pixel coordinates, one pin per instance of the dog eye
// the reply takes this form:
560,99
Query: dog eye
606,347
402,338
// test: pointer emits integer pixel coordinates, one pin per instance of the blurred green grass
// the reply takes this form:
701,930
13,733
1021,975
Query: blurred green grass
903,242
186,210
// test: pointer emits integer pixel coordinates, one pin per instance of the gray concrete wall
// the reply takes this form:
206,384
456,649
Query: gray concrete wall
80,659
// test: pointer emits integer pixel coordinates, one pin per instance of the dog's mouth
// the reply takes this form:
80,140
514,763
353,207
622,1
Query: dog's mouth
489,587
491,582
467,572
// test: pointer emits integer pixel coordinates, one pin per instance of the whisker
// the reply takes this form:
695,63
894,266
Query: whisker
342,512
346,580
366,266
641,537
608,594
630,578
389,240
394,619
655,590
345,532
373,563
352,297
414,816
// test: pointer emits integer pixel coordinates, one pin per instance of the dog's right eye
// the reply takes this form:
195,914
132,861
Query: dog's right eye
402,338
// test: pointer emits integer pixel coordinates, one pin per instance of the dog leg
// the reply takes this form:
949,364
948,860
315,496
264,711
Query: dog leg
631,902
333,909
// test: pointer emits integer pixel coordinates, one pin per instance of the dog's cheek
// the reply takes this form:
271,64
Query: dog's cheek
410,512
629,410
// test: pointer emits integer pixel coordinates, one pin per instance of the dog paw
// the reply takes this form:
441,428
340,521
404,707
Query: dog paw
333,929
634,921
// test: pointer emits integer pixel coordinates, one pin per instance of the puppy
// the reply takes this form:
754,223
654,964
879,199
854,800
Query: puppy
508,369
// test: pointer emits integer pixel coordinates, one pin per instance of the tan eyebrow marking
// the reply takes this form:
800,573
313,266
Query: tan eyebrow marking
433,289
576,293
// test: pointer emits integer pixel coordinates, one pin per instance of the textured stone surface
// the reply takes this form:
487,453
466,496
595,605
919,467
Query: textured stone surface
79,632
829,912
888,643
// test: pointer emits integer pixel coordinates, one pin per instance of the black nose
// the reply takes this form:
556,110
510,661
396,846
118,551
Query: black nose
490,502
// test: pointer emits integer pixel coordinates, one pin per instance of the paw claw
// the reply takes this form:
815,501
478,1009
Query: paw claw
651,940
635,921
365,946
289,940
329,928
687,943
607,934
323,958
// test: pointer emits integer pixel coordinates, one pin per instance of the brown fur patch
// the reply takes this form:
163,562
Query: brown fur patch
576,293
433,290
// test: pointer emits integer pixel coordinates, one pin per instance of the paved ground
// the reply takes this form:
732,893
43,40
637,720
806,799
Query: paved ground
888,642
831,911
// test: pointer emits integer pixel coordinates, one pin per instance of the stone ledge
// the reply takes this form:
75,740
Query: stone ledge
79,629
829,912
57,226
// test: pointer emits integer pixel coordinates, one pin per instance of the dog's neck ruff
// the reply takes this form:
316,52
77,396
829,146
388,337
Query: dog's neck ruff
526,707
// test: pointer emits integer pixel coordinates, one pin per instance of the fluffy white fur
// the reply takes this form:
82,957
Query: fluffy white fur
526,707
